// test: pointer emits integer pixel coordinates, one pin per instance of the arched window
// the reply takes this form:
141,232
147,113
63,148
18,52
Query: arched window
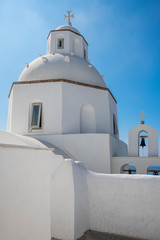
153,170
115,127
128,169
143,144
87,119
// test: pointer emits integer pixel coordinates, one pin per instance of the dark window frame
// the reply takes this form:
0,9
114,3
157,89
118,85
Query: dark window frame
60,43
38,124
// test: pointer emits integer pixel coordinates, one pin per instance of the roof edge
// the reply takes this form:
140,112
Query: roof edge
60,30
62,80
24,147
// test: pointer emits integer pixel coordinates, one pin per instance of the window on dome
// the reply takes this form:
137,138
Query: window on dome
60,43
36,117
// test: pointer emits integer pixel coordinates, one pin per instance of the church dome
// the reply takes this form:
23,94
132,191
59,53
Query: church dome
66,59
66,27
62,66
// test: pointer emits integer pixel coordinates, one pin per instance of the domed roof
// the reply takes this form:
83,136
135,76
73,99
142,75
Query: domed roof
66,27
62,66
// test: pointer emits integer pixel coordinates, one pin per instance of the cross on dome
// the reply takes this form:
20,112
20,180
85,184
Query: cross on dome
69,16
142,115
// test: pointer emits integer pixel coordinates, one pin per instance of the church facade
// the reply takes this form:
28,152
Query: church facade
61,146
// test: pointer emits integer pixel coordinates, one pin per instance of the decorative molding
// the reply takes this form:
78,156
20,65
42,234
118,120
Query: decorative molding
62,80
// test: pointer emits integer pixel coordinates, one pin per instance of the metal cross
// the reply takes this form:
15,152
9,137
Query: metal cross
142,115
69,16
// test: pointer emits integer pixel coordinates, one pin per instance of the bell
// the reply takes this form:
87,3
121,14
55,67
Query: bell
143,144
155,172
129,171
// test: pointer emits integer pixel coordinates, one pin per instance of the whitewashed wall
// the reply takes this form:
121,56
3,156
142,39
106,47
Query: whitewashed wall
69,201
61,108
25,176
118,147
23,97
74,97
94,150
43,193
91,149
120,204
126,205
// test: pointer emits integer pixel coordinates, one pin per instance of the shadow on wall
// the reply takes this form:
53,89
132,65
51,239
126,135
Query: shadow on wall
94,235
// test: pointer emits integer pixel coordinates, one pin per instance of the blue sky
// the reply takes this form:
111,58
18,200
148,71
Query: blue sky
124,45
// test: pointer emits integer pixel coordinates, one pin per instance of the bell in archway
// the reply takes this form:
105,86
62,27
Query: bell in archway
143,144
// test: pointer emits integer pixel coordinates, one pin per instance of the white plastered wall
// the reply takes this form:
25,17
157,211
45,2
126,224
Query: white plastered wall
74,97
120,204
70,217
10,109
125,205
61,108
94,150
118,147
152,140
25,176
21,99
91,149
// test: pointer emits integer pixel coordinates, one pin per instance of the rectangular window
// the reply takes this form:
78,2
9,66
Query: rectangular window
60,43
36,117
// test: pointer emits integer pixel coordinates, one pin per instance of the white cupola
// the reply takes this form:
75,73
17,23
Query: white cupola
67,40
66,58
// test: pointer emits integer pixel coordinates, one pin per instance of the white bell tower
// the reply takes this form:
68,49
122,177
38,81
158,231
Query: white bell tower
150,133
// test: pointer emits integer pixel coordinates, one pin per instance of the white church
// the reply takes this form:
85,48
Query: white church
63,168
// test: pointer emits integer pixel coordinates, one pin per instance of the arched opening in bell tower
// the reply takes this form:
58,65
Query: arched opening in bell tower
153,170
128,169
143,144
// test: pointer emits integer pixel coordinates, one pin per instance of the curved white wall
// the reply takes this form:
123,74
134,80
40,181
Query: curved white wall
120,204
25,176
70,218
